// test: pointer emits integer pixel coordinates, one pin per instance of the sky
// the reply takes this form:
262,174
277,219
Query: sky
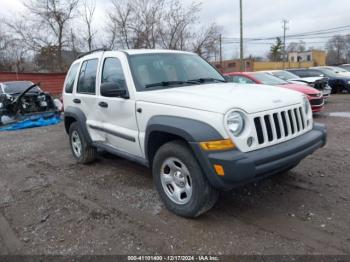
262,18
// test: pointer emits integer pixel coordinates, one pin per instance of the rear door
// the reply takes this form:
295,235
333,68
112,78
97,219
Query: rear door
118,114
85,96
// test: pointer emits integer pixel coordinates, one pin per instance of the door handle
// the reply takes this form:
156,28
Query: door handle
77,101
103,104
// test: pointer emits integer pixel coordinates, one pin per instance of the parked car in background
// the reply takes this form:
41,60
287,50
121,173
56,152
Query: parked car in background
335,69
345,66
315,96
338,83
319,83
20,100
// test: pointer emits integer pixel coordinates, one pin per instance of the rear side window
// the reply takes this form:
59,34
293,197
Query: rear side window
71,78
87,77
113,72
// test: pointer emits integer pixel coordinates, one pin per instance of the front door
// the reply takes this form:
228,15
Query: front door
118,114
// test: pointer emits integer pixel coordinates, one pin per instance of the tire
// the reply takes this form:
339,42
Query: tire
86,154
199,197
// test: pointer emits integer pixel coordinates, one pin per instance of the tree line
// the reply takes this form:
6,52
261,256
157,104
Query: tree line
337,48
49,34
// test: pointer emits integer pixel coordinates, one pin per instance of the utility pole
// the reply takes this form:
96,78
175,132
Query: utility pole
285,28
221,69
241,35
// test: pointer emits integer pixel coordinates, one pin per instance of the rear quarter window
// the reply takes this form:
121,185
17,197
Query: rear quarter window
87,77
71,78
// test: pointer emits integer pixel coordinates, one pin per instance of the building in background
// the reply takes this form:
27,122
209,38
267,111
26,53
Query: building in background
317,57
234,65
295,60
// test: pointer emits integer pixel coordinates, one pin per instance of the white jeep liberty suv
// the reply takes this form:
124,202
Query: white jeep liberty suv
174,112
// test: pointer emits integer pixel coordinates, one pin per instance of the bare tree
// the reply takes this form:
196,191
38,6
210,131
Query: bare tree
160,24
135,24
55,15
206,42
12,52
177,24
337,48
296,46
87,14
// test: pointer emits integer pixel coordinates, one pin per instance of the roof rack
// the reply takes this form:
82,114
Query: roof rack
94,51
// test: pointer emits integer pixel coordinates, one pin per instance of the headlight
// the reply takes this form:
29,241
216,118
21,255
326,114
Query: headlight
349,82
306,105
1,106
235,122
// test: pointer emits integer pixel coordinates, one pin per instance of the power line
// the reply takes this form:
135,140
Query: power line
270,43
310,33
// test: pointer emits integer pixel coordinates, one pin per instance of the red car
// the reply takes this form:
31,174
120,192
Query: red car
315,96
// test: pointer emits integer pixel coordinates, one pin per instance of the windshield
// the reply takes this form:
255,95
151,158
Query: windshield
346,67
159,71
307,73
336,69
268,79
328,73
285,75
19,87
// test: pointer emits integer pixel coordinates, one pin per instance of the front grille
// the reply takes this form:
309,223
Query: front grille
280,125
316,102
315,95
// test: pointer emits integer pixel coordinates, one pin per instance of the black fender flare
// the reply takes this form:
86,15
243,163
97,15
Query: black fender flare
192,131
80,118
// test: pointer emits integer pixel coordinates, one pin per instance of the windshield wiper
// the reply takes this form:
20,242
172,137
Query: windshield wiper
169,83
204,80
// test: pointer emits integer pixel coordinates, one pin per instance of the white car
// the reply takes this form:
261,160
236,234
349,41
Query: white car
173,112
320,83
335,69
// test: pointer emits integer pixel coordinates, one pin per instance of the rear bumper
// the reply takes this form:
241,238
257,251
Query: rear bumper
242,168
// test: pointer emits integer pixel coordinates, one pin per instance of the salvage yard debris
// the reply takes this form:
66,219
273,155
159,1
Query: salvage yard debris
24,105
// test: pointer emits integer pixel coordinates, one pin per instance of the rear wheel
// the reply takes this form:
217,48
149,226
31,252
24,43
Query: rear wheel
180,181
82,152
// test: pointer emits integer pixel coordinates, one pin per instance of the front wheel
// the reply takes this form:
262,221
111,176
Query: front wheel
180,181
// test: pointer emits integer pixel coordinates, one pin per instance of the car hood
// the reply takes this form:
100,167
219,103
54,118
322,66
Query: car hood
347,74
222,97
301,88
309,80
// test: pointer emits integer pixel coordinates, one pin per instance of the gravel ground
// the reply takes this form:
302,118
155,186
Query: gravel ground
51,205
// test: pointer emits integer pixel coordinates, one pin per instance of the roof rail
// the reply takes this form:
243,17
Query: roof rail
94,51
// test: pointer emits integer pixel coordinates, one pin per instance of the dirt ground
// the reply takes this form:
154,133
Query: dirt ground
51,205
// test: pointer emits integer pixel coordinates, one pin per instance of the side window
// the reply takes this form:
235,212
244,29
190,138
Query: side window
113,73
70,79
87,77
242,80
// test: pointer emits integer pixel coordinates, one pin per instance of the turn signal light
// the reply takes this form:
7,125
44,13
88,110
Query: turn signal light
217,145
219,170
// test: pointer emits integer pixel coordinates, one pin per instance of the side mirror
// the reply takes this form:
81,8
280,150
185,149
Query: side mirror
112,89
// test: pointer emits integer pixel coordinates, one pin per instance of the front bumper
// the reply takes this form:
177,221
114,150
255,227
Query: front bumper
317,104
242,168
326,93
